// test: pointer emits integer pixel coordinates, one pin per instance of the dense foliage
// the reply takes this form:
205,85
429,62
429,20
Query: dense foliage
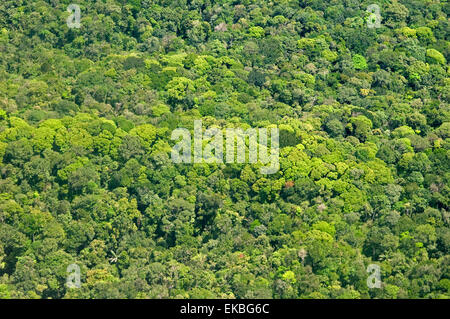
86,176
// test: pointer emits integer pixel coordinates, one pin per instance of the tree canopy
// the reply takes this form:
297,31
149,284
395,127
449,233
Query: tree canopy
86,116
